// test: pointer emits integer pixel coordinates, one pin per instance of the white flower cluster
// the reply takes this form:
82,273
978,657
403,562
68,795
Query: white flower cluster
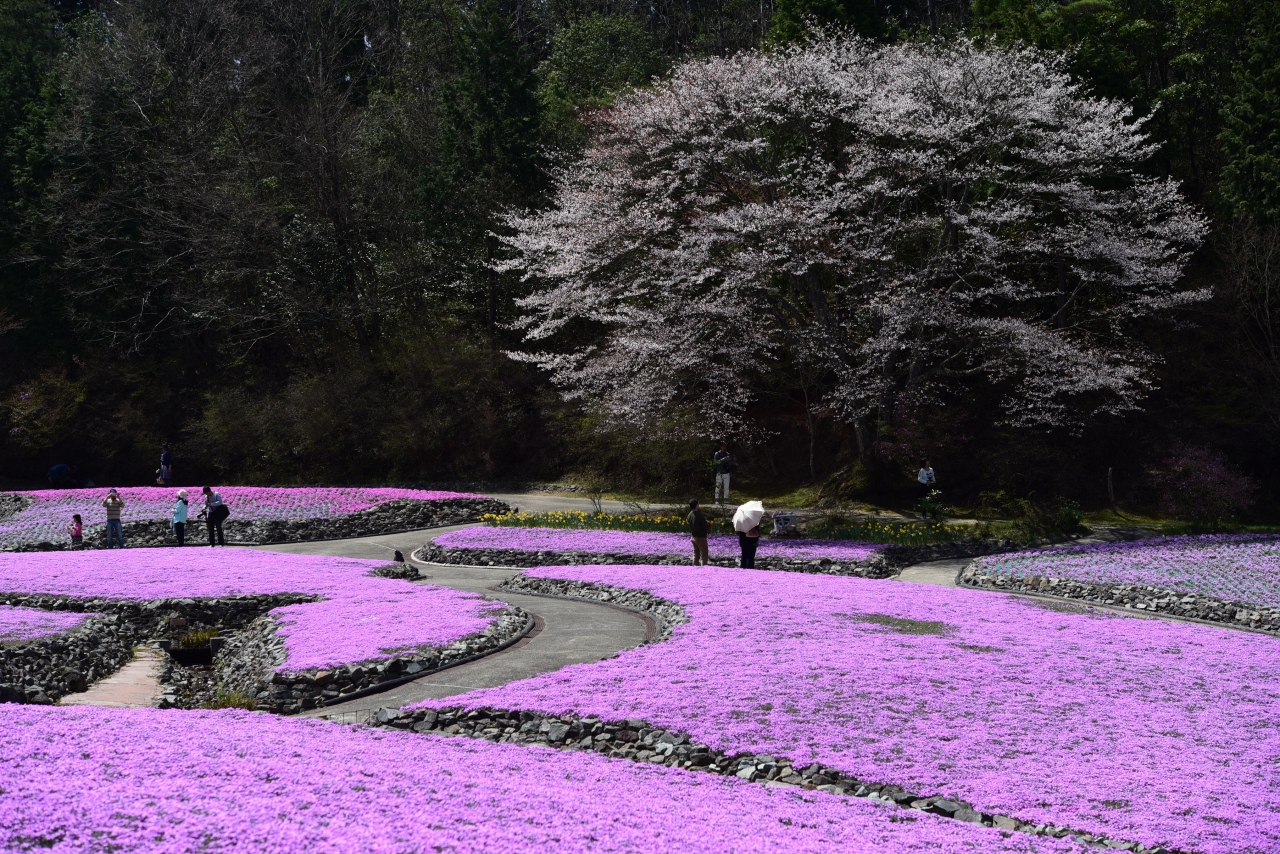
897,220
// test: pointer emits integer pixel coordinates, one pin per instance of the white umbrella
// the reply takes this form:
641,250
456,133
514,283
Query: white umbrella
748,516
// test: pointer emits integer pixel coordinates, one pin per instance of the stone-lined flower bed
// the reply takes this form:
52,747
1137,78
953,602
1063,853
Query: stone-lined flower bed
1161,734
635,741
1234,580
250,664
1152,600
259,515
320,625
46,669
342,615
530,547
97,780
28,624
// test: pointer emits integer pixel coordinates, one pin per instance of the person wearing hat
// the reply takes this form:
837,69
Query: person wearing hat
115,530
180,517
215,513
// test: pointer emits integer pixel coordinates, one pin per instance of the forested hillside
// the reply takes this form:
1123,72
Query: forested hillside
298,240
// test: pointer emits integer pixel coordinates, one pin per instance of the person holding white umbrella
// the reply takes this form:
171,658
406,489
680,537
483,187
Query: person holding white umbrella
746,521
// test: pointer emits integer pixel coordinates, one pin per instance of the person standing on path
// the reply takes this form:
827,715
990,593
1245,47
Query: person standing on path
724,464
215,513
180,518
928,480
115,530
165,475
76,530
699,528
748,542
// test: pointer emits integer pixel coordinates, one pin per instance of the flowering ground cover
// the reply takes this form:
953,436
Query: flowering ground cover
89,780
1159,733
1239,568
25,624
648,543
360,617
50,510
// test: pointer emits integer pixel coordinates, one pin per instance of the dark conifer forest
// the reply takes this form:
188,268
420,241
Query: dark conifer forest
269,233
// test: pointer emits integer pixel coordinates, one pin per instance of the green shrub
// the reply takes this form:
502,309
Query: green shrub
225,699
197,639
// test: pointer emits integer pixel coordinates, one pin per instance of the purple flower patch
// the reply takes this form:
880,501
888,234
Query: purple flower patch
648,543
360,617
1238,568
50,510
26,624
1161,733
99,780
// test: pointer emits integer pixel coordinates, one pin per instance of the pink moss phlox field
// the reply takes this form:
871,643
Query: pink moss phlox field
1143,730
26,624
1241,568
50,510
646,543
362,618
144,780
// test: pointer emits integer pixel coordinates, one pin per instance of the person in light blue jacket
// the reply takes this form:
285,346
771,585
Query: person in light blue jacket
180,517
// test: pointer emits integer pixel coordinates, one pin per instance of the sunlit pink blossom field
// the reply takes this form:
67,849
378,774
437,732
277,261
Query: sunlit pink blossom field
1163,733
97,780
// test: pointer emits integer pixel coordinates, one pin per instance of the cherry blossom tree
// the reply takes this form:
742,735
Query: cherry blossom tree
899,220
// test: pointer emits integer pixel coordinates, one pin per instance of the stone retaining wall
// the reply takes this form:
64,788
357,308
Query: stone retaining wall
393,517
1154,600
45,670
248,662
665,614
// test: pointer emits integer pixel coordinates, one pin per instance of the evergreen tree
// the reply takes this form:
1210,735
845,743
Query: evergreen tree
486,157
792,18
1251,133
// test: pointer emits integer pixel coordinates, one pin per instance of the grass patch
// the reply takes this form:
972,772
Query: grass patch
230,700
902,625
197,639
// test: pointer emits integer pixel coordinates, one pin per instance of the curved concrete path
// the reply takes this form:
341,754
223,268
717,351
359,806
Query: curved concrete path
565,632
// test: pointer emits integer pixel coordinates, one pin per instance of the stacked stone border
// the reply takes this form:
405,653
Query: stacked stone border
1147,600
635,740
45,670
885,564
392,517
665,614
248,662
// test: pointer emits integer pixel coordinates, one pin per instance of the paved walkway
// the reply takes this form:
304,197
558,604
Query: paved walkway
942,572
134,686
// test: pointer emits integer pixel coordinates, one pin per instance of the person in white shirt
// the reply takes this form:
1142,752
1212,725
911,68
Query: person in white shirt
724,464
928,480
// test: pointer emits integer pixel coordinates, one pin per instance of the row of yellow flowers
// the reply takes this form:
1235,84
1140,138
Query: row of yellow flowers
897,533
